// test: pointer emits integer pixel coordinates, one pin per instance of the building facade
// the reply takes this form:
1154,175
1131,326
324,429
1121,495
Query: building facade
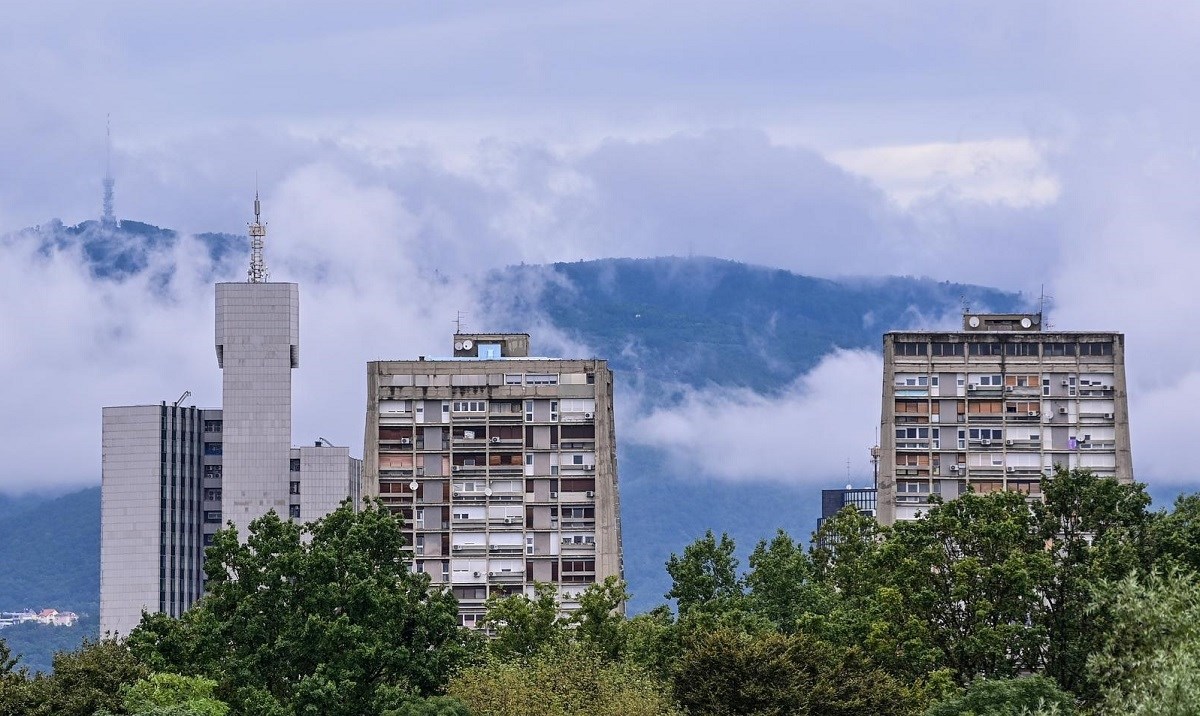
503,466
172,476
997,406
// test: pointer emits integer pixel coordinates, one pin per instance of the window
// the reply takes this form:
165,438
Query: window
489,350
1045,386
1020,349
529,410
986,434
577,459
908,348
1058,349
993,381
208,540
541,379
294,512
946,349
1096,349
212,517
212,426
295,466
212,448
294,487
470,406
553,411
986,349
512,378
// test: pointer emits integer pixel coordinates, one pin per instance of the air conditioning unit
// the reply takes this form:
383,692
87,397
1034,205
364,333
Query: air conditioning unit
508,520
590,494
589,468
1011,469
954,468
985,442
476,574
1065,383
972,386
1009,389
406,441
458,548
495,440
457,468
553,495
1033,413
1108,416
1009,443
589,416
1062,411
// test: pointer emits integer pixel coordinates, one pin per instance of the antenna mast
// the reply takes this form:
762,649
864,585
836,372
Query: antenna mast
258,231
108,219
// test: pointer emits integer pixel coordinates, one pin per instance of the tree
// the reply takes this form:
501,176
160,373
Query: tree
523,626
1007,697
85,681
598,622
315,625
972,569
570,680
1149,654
731,673
1096,529
706,574
170,693
781,583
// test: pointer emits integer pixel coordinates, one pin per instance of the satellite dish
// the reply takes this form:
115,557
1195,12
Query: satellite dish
414,485
467,344
458,345
487,491
973,322
1026,323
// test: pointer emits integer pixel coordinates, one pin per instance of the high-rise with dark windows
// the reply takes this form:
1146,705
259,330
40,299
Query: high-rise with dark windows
503,465
998,406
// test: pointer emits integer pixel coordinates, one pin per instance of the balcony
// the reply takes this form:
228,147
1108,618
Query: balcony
578,547
468,549
511,522
506,576
502,549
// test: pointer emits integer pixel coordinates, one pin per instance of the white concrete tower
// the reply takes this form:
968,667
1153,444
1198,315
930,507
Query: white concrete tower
258,345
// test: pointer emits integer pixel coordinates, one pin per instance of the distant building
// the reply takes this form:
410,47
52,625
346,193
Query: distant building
834,501
503,466
997,406
172,475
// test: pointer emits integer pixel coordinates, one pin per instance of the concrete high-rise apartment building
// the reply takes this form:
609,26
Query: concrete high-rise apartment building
997,406
503,466
173,475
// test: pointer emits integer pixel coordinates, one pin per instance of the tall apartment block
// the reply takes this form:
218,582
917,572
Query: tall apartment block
503,466
171,476
997,406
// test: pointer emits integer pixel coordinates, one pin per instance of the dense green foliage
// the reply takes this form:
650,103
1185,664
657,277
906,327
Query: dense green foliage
990,605
325,618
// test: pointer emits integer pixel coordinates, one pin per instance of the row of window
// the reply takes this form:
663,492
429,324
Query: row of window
1014,348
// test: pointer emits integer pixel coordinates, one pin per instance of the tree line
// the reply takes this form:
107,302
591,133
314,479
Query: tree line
1086,602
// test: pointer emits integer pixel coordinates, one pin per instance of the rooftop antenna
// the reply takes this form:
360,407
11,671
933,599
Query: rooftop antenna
108,219
258,231
1044,299
458,321
966,307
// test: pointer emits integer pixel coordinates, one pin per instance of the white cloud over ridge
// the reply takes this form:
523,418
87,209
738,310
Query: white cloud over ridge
812,432
404,150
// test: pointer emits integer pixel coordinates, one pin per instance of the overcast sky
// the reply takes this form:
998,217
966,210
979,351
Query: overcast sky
403,148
